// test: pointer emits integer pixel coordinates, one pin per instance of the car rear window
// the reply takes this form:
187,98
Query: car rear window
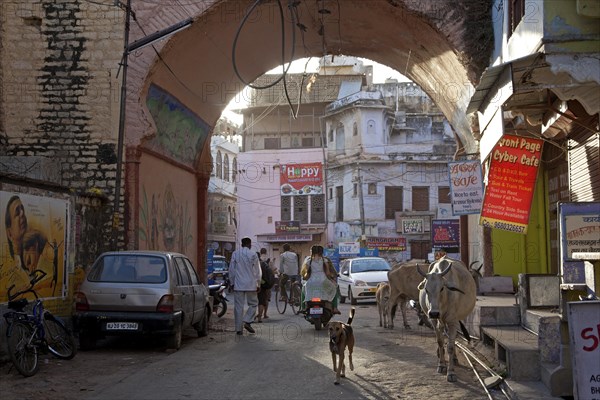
129,268
370,265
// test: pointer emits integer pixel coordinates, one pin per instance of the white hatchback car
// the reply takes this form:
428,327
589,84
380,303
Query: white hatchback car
359,277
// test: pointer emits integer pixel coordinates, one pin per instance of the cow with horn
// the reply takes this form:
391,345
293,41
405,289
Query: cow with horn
447,296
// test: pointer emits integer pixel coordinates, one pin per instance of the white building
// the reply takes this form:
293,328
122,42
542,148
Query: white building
221,229
388,149
278,140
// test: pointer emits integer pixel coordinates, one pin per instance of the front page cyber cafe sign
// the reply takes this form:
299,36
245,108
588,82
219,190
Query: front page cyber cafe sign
301,179
511,182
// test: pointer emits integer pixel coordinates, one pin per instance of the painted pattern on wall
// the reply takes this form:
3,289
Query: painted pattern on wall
180,133
32,246
165,223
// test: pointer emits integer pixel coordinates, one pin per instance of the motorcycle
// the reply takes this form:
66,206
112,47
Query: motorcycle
318,312
218,292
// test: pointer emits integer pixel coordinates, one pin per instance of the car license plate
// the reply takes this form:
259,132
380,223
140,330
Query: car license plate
316,311
121,326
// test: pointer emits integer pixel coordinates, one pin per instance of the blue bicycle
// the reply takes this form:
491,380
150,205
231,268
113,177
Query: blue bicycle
28,335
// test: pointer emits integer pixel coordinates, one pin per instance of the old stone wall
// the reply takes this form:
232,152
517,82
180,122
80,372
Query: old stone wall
60,91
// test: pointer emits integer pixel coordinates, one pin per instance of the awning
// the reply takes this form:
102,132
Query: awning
539,87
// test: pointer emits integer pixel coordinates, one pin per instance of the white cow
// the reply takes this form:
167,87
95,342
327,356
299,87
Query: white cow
447,295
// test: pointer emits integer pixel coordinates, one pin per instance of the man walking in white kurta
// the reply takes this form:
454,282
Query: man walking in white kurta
245,276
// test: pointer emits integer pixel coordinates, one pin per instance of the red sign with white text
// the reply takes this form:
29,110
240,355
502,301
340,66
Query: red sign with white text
301,179
511,181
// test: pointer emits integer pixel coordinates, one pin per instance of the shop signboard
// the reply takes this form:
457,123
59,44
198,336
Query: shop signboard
445,234
287,227
511,182
386,243
466,187
584,332
301,179
349,249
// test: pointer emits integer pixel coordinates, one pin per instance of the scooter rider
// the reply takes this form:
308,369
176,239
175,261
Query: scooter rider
320,278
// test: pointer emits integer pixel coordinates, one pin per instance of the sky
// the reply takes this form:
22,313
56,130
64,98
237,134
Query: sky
380,74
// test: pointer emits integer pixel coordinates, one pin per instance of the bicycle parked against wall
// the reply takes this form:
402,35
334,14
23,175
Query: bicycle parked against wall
29,335
294,296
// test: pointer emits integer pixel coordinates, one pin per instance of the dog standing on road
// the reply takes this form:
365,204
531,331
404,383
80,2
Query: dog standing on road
341,337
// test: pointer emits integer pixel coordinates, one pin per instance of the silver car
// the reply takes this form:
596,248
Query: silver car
141,293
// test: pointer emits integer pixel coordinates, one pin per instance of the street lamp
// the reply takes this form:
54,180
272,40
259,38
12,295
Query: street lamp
127,49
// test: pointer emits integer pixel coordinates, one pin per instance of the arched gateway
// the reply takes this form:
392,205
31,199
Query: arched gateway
438,44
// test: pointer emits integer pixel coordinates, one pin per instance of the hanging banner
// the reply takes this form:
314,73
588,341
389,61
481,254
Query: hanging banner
301,179
511,181
33,246
466,187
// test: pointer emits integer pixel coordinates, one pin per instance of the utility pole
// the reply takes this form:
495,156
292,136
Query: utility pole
361,206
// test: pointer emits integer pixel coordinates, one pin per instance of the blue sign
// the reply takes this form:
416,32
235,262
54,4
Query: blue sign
369,252
334,256
209,265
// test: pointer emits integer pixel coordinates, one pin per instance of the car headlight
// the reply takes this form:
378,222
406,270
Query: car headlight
360,283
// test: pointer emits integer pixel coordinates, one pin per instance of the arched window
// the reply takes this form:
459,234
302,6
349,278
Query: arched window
234,169
371,127
340,139
219,166
226,167
330,136
230,215
354,129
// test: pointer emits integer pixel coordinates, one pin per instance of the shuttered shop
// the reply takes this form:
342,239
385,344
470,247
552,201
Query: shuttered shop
584,166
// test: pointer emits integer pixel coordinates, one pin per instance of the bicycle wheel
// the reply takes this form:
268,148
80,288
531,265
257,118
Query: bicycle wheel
23,354
281,305
295,302
61,342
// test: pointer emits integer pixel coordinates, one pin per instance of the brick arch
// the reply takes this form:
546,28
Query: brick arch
442,45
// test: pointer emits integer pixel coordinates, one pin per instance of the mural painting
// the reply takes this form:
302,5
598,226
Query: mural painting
32,246
165,223
180,134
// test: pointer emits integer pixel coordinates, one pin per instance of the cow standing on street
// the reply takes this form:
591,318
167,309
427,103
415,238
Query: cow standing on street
447,296
403,280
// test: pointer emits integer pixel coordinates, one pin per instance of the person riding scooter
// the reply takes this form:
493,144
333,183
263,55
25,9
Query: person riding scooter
320,279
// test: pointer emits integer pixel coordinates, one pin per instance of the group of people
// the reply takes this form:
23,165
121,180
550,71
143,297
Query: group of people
248,285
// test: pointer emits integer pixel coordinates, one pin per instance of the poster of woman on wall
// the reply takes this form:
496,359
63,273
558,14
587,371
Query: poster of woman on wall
32,246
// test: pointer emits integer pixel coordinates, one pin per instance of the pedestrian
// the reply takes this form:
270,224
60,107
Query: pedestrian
288,269
244,277
264,296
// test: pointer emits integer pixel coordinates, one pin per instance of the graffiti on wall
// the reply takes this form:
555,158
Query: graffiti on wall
180,134
165,223
32,246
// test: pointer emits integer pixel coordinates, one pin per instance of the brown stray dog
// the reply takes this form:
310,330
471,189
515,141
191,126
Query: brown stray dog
340,337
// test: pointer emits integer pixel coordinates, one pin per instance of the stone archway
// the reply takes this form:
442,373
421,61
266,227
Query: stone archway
442,45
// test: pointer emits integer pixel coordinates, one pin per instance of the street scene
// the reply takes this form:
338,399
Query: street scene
296,198
285,358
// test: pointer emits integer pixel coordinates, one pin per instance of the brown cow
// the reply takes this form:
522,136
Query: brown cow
403,280
447,295
383,295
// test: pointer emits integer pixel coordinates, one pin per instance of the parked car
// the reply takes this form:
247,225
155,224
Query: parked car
359,277
141,293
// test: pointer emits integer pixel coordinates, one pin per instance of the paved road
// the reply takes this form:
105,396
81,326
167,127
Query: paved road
287,358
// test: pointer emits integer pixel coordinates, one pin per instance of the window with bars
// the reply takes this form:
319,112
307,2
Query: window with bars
420,198
272,143
317,209
301,209
516,12
286,208
219,166
443,195
339,196
226,168
372,188
394,198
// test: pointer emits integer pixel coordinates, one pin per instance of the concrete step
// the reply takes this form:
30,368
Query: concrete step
534,317
557,378
517,349
493,311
